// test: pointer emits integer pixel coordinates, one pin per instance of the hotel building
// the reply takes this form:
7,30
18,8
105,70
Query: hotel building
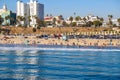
8,16
32,9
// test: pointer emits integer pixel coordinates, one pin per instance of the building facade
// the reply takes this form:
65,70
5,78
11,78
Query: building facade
9,18
115,22
30,11
53,21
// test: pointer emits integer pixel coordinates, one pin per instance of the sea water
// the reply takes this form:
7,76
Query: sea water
59,65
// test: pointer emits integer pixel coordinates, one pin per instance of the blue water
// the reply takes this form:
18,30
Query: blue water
59,65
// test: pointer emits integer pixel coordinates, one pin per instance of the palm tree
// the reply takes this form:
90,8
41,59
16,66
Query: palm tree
54,21
58,22
1,20
29,20
110,16
71,19
64,23
60,17
118,21
85,20
74,14
40,23
77,18
23,20
101,19
12,21
34,19
97,23
19,19
110,20
6,19
89,23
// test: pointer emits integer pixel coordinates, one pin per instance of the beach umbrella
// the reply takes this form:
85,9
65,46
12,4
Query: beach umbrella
64,37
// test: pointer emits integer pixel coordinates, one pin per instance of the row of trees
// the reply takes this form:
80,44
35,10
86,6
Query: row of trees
98,22
22,19
86,22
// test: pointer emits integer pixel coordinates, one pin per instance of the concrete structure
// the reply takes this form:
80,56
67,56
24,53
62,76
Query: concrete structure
33,10
115,22
92,18
22,11
51,23
7,15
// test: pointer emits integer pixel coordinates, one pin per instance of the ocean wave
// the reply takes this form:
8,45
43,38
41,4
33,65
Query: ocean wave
55,49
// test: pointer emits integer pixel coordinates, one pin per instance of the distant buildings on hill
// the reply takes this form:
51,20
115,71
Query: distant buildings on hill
87,21
30,12
9,18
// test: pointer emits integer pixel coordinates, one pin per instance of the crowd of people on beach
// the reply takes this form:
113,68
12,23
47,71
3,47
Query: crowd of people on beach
35,40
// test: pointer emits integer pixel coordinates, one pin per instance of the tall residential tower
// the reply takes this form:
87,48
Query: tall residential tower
30,10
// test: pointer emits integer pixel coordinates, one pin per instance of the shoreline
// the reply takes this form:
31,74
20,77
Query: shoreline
56,46
58,49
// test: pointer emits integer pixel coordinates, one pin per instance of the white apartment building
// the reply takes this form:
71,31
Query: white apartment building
23,10
91,18
115,21
32,9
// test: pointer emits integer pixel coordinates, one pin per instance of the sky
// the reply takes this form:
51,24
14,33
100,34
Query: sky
67,8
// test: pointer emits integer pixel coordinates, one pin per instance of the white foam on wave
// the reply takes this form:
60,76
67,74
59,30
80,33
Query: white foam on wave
33,51
55,49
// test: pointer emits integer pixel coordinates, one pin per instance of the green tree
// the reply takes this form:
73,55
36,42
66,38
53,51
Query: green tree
64,23
101,19
54,21
84,19
77,18
34,29
29,20
61,17
110,16
12,21
118,21
97,23
6,19
74,24
23,19
19,19
1,20
89,23
114,25
110,20
71,19
40,23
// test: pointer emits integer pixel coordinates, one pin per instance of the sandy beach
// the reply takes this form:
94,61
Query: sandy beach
58,41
